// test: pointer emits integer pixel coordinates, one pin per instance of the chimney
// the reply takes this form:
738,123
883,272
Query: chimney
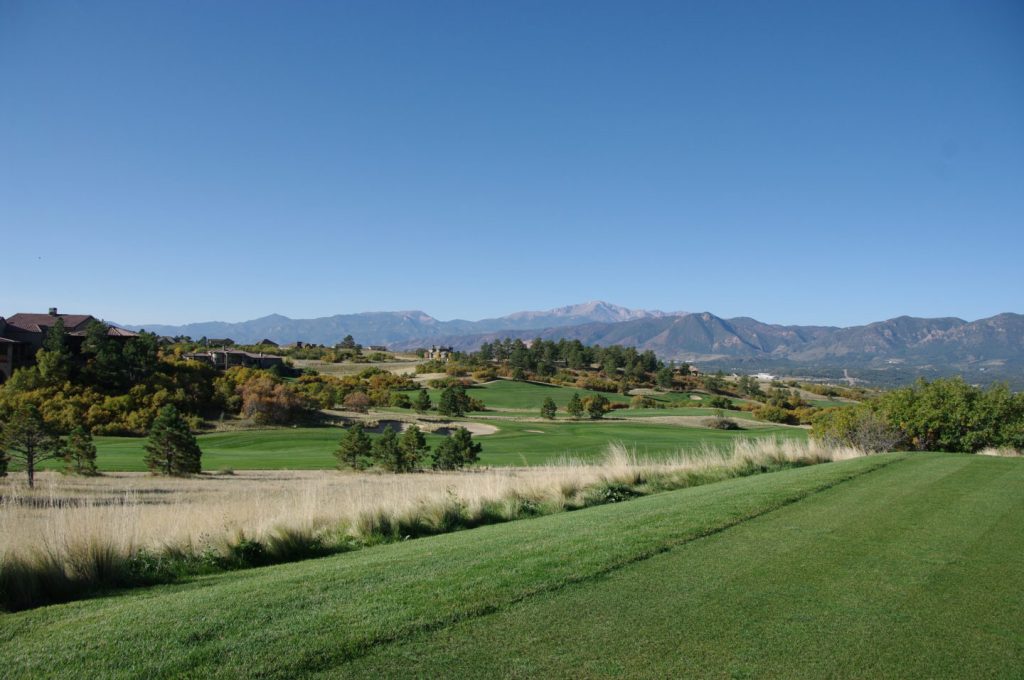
53,311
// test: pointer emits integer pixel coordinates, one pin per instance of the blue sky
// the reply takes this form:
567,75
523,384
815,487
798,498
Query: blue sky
798,162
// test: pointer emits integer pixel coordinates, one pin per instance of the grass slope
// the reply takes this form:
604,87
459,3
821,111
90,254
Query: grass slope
840,570
911,572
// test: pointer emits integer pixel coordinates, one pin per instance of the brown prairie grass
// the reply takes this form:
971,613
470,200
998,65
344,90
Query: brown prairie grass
73,534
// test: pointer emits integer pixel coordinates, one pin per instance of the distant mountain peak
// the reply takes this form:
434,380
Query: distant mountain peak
592,311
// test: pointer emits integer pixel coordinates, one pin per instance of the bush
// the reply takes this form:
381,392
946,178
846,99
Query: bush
775,414
718,422
721,402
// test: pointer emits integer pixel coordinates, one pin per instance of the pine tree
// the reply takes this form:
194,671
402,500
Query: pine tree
54,359
80,455
548,409
355,448
575,407
422,402
386,451
456,451
26,439
414,449
454,401
598,404
172,448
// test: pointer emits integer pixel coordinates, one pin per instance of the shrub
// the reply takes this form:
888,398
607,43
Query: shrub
719,422
718,401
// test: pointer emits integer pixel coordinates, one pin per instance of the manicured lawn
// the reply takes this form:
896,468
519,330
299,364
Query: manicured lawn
501,395
520,443
515,444
848,569
681,411
509,395
292,449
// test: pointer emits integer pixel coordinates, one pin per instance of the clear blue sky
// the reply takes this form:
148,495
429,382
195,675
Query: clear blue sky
799,162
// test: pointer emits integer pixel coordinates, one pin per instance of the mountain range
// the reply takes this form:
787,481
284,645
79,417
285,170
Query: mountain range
890,351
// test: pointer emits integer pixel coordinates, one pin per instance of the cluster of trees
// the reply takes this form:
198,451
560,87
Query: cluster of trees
27,440
563,362
593,407
942,415
110,386
406,453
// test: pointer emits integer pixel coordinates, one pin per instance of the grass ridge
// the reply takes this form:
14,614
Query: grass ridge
357,649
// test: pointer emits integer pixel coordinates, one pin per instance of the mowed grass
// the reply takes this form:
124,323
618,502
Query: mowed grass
889,566
535,443
503,395
515,443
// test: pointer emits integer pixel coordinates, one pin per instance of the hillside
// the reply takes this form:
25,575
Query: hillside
889,566
905,347
891,351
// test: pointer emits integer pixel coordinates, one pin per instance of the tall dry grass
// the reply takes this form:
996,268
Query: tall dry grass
71,534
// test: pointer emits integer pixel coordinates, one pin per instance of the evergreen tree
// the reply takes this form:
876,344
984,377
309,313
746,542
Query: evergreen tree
575,407
80,455
454,401
386,452
414,449
26,439
548,409
355,448
172,448
105,365
456,451
597,406
664,378
422,402
54,359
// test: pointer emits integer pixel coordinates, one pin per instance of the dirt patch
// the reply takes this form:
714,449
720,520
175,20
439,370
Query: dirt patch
534,431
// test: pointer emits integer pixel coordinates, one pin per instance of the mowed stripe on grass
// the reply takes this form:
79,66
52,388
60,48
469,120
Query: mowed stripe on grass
910,572
311,616
844,570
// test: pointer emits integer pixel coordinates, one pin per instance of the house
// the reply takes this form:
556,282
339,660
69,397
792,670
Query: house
377,348
218,342
223,359
436,353
268,343
23,334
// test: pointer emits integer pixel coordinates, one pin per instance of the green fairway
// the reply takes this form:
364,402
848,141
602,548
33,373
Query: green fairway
310,448
504,395
910,572
518,443
515,443
890,566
